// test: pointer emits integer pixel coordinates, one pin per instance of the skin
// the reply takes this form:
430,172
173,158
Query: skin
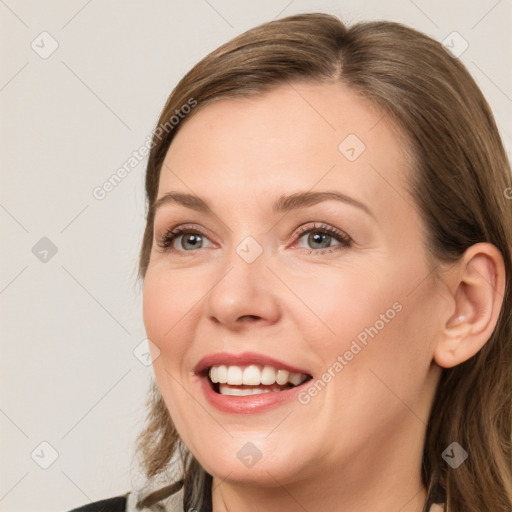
357,445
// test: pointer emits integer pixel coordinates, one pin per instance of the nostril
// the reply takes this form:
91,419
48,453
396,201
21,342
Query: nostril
249,317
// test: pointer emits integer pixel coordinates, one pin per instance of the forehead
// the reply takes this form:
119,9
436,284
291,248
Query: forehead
296,136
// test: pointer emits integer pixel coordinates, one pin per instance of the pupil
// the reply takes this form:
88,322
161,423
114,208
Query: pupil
194,238
318,238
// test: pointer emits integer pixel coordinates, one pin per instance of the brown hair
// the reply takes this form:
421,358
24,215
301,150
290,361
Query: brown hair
458,179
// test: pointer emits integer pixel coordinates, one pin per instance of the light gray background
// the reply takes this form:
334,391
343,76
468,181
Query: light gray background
69,325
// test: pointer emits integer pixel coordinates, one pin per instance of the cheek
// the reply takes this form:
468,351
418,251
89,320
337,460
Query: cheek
387,348
343,305
164,314
379,350
373,320
164,310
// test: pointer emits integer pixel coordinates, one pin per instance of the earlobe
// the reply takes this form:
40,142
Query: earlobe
477,284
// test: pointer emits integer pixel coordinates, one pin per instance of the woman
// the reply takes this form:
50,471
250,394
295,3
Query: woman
370,372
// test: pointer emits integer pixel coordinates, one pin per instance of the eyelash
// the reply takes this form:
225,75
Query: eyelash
168,238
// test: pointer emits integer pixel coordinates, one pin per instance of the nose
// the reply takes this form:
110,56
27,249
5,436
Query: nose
246,293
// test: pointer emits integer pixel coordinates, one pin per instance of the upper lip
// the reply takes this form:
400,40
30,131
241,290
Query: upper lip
244,359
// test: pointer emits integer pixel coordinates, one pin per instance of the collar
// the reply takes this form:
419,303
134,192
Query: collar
154,495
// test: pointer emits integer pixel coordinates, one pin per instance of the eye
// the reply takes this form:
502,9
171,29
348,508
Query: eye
189,238
319,238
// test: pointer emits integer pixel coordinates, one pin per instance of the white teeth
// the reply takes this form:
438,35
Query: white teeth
226,389
235,375
268,375
251,376
254,375
222,374
282,376
296,378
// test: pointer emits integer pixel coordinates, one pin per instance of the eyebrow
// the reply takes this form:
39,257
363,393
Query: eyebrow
284,203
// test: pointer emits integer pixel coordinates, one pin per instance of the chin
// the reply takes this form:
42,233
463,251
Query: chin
246,460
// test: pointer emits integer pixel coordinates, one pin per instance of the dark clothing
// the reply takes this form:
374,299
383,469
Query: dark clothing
159,501
116,504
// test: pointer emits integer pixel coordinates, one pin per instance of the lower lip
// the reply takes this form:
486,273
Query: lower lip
250,404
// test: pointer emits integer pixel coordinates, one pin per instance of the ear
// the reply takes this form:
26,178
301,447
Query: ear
477,286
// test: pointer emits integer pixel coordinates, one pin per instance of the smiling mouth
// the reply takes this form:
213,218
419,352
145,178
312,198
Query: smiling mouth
230,380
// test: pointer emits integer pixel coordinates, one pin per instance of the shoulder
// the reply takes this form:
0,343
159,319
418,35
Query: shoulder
164,499
114,504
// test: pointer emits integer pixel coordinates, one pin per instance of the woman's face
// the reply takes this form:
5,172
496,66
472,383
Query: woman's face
301,257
